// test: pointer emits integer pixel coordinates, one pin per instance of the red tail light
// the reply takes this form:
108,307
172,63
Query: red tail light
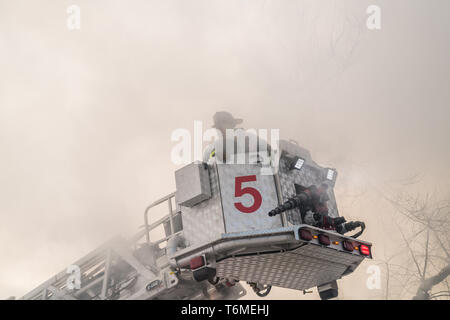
347,245
365,250
324,239
305,234
197,262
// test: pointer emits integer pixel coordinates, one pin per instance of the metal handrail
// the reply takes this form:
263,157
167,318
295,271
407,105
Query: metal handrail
167,198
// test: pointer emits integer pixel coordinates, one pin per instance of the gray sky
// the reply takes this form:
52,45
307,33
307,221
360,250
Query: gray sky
86,116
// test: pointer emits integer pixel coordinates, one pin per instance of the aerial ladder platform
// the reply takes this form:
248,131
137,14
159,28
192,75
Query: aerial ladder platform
218,233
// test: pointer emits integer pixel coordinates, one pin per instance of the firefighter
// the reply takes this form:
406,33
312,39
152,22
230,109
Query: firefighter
224,121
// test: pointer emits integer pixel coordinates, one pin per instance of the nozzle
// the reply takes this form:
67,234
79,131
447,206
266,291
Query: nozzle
289,204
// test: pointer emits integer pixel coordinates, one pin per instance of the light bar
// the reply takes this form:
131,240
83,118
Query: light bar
305,235
324,239
347,245
365,250
297,163
197,262
330,174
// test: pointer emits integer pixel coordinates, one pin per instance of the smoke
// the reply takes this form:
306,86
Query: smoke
86,115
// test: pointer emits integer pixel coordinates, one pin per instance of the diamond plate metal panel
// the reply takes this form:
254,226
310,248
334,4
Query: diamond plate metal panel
193,185
209,212
309,174
236,220
302,268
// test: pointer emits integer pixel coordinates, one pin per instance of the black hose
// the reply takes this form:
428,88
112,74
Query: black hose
362,225
350,226
265,293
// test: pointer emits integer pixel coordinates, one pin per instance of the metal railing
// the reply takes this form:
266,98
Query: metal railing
169,217
95,267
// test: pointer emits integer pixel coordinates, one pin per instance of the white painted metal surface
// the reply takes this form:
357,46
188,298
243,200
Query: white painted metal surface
247,196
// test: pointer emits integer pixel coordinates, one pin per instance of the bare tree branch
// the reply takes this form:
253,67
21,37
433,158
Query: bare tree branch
426,255
442,246
410,251
428,284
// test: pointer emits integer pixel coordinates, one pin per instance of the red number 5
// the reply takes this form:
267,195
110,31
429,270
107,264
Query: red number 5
239,191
